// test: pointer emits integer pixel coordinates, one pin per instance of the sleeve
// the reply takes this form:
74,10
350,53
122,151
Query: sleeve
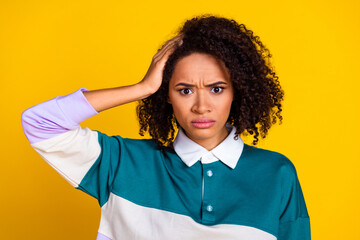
294,219
56,116
53,130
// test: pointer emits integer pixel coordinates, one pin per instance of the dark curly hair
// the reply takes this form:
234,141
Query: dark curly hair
257,92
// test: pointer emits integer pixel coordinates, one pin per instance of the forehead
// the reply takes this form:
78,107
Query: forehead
200,67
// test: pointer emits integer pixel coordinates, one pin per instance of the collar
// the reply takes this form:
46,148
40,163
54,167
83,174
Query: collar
228,151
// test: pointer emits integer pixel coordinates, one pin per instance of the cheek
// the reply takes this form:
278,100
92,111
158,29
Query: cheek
179,114
226,103
229,103
178,108
179,104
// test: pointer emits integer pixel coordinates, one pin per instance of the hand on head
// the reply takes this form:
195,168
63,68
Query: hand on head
153,77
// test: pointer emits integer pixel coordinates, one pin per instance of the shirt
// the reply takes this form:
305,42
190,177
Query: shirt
235,191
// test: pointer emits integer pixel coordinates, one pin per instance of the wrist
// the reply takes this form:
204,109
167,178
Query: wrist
147,89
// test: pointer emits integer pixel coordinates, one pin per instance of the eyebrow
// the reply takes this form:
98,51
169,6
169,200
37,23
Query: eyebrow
192,85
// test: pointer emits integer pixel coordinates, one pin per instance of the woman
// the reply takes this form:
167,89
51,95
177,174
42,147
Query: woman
212,82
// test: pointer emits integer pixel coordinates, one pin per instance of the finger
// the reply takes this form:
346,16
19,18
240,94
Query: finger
165,55
172,42
177,39
170,45
164,50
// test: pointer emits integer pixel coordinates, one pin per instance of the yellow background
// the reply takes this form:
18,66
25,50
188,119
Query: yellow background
52,48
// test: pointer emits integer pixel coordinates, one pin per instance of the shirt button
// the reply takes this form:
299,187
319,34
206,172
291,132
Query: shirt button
209,173
209,208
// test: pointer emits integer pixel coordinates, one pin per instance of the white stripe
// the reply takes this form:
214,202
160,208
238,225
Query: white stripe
122,219
71,154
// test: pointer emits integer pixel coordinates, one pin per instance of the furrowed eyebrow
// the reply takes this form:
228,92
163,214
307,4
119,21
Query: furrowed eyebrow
209,85
216,83
185,85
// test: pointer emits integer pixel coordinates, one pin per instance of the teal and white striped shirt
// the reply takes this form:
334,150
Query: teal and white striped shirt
234,191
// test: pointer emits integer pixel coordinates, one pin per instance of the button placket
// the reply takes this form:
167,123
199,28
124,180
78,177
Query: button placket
208,209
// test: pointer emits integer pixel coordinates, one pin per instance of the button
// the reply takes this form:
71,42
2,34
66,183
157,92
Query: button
209,173
209,208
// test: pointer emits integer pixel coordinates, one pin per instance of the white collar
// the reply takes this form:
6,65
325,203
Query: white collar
228,151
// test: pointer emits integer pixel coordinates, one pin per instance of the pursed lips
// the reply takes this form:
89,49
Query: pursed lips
203,122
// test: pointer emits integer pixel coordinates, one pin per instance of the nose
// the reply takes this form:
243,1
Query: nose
202,103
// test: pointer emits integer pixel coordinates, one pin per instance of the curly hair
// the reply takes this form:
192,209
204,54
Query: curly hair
257,91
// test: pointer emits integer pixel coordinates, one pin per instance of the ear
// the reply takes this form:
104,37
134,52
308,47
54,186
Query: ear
168,100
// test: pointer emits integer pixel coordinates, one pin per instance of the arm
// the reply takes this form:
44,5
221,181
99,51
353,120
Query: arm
53,128
61,114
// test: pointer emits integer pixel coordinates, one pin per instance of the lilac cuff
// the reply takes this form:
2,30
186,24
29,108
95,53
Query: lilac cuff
56,116
102,237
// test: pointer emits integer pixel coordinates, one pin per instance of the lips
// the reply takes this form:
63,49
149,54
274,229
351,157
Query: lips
203,123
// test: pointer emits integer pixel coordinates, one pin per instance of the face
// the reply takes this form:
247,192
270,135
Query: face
201,93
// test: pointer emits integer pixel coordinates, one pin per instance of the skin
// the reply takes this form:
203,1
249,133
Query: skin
200,89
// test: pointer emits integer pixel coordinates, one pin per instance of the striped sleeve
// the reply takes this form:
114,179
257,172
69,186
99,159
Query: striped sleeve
53,129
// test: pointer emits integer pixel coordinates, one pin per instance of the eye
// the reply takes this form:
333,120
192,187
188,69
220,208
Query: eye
185,91
217,89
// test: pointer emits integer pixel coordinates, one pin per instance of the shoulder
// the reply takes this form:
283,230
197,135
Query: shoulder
130,145
140,143
271,159
131,142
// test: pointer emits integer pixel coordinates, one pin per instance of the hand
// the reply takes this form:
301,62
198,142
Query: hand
153,77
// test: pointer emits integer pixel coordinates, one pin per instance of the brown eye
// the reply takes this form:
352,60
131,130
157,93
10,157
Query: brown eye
217,89
185,91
